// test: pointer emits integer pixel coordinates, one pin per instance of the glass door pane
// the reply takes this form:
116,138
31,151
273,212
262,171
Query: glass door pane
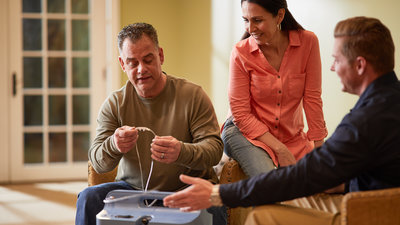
56,35
32,34
56,91
32,69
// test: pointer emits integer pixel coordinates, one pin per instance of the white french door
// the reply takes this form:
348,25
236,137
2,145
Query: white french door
57,64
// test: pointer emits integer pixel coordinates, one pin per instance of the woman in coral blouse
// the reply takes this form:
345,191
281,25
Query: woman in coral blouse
275,73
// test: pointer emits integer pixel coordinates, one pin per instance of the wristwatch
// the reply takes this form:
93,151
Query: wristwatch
215,199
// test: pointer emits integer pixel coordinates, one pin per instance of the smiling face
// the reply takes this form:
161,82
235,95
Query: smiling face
345,69
141,61
260,23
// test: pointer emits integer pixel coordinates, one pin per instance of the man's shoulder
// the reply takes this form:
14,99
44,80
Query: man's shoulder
376,111
119,95
120,91
183,84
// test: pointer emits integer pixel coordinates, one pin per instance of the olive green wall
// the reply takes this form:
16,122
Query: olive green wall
184,31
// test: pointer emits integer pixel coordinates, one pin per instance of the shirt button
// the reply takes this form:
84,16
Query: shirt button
279,76
279,91
278,104
276,118
276,127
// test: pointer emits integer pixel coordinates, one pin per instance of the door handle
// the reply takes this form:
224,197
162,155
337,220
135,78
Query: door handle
14,84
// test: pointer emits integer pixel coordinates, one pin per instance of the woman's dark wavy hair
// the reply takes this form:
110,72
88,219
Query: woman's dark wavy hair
273,6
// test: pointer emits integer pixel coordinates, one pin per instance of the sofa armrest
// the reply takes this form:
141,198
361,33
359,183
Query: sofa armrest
232,172
371,207
95,178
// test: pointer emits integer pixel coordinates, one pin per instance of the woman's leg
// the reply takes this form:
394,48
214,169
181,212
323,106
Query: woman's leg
90,201
253,160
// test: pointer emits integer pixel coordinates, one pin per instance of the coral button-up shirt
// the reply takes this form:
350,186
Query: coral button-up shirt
265,100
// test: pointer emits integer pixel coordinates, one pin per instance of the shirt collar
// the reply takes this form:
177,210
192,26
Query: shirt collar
294,40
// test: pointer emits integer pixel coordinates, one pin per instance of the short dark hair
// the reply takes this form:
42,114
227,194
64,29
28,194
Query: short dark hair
135,31
369,38
273,6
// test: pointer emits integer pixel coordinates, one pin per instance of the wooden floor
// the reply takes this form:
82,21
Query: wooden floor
39,203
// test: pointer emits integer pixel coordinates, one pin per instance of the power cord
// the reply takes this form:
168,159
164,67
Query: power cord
144,129
110,200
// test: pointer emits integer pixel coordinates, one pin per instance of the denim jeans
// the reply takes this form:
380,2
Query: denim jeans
253,160
90,203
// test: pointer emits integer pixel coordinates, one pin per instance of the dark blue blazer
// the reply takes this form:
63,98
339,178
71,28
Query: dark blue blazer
363,152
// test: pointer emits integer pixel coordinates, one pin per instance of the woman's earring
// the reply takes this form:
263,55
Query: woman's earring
279,26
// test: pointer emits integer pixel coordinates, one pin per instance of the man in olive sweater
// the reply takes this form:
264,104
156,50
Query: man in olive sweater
156,121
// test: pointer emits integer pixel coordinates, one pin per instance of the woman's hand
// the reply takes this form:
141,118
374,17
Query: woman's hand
285,157
318,143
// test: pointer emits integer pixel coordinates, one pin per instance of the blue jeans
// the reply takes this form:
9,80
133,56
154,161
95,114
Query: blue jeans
252,159
90,203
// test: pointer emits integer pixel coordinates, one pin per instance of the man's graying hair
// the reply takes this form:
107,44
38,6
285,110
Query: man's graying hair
135,31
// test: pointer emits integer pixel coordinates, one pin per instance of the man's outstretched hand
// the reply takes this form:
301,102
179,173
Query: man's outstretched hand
194,197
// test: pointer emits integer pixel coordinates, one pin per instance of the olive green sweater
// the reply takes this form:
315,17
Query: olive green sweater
182,110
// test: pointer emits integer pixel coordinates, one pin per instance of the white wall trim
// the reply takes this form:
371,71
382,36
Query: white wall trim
113,71
5,89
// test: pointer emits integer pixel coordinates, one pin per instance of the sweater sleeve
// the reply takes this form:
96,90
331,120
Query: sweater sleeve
206,147
103,153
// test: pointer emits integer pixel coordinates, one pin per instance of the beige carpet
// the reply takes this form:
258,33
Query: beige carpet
39,203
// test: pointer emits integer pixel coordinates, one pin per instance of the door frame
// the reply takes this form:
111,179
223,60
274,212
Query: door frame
106,67
5,93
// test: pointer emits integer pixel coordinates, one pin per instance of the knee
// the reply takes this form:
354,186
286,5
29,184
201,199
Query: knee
89,194
229,131
232,137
